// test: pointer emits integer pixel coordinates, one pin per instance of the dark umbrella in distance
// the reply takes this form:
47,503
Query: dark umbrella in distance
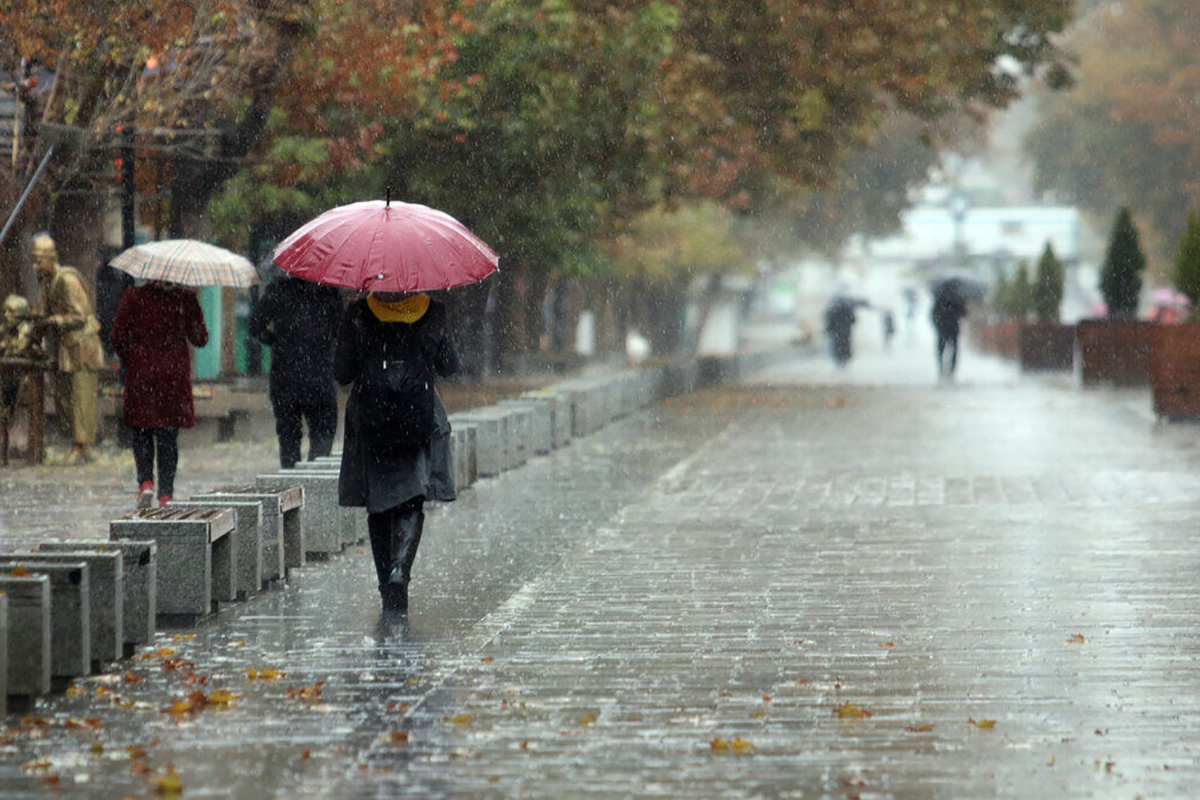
962,287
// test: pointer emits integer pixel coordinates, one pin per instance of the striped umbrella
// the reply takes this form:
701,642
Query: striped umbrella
187,262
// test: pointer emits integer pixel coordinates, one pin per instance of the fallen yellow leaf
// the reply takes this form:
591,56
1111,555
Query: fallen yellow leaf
848,710
263,674
1077,638
458,719
982,724
399,737
587,719
168,783
223,697
926,728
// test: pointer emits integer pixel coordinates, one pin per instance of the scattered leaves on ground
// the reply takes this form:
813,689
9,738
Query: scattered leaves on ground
306,693
738,746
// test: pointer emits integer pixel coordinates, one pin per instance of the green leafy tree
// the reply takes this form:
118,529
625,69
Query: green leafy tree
1048,286
1187,262
1121,273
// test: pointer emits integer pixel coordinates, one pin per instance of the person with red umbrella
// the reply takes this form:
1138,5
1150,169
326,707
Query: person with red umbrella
392,347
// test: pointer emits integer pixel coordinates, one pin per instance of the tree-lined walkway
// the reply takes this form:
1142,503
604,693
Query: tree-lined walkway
871,587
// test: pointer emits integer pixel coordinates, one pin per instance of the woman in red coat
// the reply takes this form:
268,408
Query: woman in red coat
154,325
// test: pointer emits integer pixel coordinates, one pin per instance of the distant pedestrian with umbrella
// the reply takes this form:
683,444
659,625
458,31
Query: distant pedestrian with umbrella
949,307
299,320
391,349
156,324
840,317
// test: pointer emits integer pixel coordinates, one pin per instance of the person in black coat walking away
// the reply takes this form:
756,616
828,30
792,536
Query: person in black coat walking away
396,454
949,308
299,320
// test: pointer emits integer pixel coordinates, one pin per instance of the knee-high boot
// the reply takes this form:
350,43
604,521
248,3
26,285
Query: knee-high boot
407,524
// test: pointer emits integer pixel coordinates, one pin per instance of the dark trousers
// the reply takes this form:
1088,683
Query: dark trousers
166,441
292,408
947,340
395,535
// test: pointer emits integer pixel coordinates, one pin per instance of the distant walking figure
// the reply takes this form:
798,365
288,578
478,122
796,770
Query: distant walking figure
299,320
396,453
154,325
839,327
949,307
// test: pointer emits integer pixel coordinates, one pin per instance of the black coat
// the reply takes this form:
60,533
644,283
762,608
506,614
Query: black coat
381,475
299,320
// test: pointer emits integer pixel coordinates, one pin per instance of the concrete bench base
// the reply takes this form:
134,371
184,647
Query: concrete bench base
69,617
27,639
247,535
197,560
323,521
283,523
106,593
139,578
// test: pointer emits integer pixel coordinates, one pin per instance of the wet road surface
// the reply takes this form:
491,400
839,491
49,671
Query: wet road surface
817,584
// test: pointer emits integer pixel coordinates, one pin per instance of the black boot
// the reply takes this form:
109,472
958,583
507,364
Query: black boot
410,522
382,530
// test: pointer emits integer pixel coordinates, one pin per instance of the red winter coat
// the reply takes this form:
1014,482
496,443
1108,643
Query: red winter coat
151,333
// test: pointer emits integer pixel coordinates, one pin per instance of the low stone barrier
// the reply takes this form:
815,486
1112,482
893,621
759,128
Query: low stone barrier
69,618
282,523
106,596
247,533
197,560
354,522
3,654
28,637
539,428
559,411
139,605
322,515
491,434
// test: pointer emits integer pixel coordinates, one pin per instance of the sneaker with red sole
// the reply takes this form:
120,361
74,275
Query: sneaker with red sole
145,497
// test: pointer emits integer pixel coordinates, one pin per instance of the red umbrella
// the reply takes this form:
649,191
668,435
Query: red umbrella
383,246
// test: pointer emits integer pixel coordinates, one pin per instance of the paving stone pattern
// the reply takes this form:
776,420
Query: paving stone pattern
679,606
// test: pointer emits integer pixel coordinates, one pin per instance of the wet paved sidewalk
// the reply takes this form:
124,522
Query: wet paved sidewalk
804,588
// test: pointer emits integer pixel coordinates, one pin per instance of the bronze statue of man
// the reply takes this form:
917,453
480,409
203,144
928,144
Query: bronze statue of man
67,315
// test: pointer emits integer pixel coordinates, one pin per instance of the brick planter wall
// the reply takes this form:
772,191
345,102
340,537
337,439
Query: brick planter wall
1116,352
1175,370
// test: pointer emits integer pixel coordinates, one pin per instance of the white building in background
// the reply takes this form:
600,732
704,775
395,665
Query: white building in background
929,233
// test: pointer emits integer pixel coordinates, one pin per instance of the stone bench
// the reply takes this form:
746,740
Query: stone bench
139,605
282,524
323,522
197,559
70,622
354,523
27,670
247,539
491,439
106,596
